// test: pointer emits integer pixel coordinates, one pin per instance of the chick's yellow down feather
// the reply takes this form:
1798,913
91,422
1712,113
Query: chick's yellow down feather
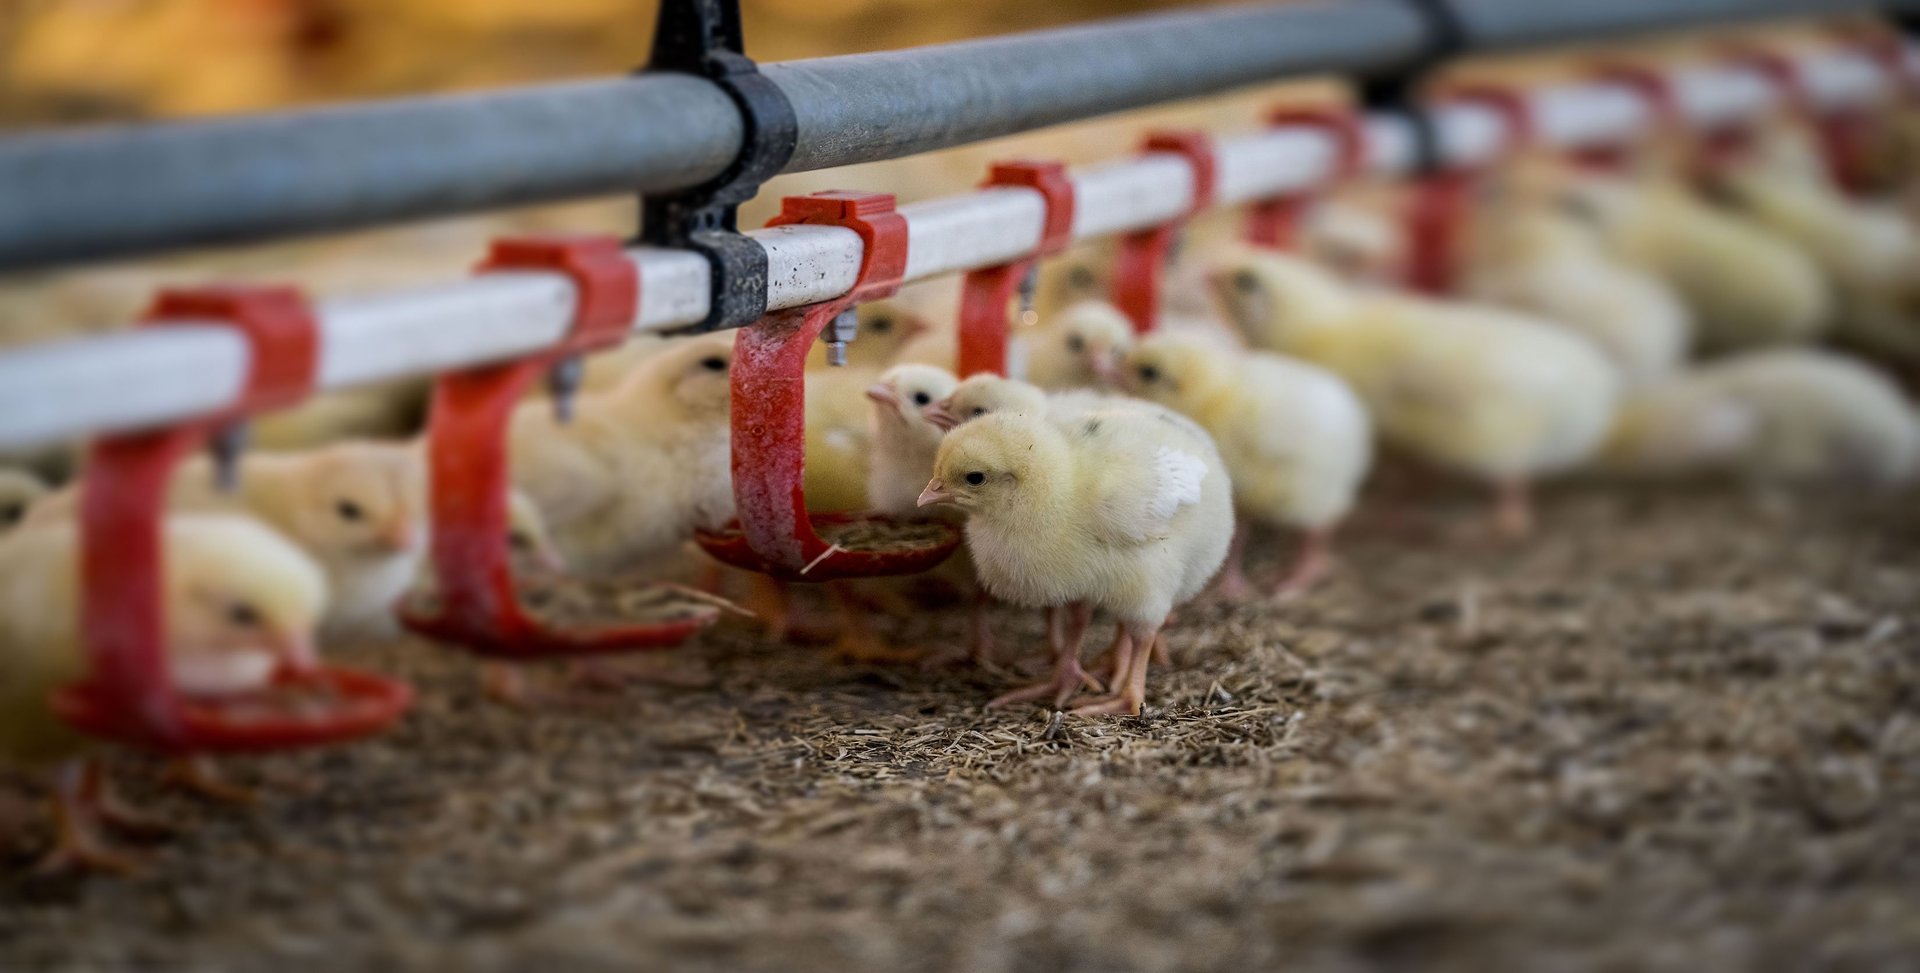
1784,413
638,468
839,438
239,601
357,508
1129,510
1745,285
1296,440
1539,259
1489,393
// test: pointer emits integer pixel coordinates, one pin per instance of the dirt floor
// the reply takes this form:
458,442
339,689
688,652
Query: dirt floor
1680,730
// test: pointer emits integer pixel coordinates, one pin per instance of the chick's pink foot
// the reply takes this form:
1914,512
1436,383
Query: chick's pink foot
78,844
197,775
1068,678
1309,568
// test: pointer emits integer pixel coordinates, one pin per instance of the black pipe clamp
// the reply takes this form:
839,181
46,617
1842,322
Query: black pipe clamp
704,38
1399,91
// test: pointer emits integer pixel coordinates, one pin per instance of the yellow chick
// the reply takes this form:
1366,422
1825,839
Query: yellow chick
240,600
1128,510
1492,394
1296,440
1745,285
904,439
392,410
1543,261
356,508
19,491
1080,347
839,438
1869,252
639,468
1786,413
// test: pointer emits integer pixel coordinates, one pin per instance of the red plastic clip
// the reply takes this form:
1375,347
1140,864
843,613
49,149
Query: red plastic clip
985,293
475,602
1847,135
128,695
774,534
1442,202
1142,259
1275,222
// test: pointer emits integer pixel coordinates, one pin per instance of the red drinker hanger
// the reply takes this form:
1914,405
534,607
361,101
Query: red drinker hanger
475,602
985,293
775,534
128,695
1275,222
1141,263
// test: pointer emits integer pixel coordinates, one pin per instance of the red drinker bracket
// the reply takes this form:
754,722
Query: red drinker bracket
775,534
1141,263
985,293
475,603
1275,222
128,695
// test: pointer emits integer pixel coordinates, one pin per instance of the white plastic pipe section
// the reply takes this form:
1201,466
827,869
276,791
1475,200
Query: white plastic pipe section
142,379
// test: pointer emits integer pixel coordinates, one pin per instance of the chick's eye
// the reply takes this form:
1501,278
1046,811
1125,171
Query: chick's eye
348,510
880,325
1149,373
1076,343
1080,277
1244,281
11,514
979,410
518,542
976,478
243,615
714,364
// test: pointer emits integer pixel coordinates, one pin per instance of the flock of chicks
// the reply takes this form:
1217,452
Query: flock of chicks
1114,471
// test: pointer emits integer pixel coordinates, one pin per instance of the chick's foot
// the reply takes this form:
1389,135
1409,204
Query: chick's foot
78,845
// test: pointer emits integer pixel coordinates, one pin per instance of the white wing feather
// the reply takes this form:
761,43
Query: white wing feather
1177,476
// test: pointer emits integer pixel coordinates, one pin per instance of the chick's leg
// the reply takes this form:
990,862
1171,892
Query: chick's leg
76,819
1131,697
1513,509
1312,564
1066,630
1233,584
198,775
979,636
857,642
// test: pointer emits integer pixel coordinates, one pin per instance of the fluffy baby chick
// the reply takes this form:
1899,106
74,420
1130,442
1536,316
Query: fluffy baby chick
1541,259
1786,413
19,490
839,438
1869,252
356,508
1081,347
1493,394
1296,440
1746,286
904,438
1127,510
240,602
392,410
639,468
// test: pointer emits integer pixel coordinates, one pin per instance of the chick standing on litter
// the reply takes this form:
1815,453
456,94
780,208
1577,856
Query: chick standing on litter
240,603
1296,440
637,469
1127,510
1783,413
1081,347
1539,259
356,508
1493,394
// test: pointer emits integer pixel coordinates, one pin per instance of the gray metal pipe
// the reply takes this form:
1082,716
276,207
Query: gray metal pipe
95,193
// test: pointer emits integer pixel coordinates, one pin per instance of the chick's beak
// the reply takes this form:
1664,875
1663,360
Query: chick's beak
1102,365
941,415
297,652
398,534
936,492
